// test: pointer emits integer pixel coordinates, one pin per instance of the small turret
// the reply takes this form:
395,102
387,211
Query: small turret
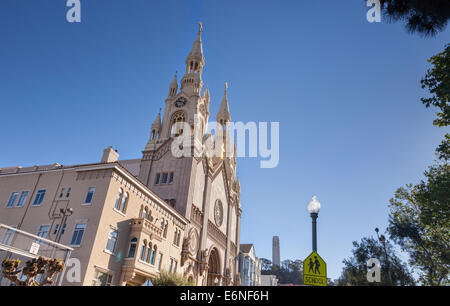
156,127
223,116
173,89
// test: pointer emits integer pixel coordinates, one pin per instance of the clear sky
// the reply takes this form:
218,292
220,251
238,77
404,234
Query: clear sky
346,93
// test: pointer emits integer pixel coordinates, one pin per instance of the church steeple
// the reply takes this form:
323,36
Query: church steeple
156,127
173,88
195,59
223,116
192,82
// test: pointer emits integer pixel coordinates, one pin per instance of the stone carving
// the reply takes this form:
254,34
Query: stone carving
185,250
228,277
203,261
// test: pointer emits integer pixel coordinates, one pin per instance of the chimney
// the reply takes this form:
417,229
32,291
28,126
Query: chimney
110,155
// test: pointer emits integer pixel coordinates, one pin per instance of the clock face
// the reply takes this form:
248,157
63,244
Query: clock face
180,102
218,213
193,241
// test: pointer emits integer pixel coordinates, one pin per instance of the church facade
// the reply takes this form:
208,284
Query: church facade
202,184
133,219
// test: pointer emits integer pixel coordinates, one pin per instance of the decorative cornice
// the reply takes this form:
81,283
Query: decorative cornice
216,234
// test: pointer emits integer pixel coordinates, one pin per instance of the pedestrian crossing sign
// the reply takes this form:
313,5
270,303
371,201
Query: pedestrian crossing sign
314,270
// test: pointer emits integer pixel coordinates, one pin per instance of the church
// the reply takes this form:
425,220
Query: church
202,186
133,219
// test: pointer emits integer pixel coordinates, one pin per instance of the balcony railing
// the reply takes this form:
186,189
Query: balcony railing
142,224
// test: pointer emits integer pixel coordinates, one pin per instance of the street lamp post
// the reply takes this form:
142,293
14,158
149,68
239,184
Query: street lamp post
314,208
64,213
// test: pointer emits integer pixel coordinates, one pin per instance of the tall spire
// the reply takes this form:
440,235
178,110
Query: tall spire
223,116
192,83
156,129
173,88
157,123
197,48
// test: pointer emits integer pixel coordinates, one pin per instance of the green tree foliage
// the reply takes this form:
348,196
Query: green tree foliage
426,17
170,279
290,271
443,151
420,223
355,268
437,81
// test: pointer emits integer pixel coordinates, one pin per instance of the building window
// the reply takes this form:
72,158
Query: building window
78,233
43,232
68,192
160,255
158,175
172,266
22,199
12,199
102,279
148,252
143,250
89,195
170,177
177,123
39,197
164,178
166,225
132,250
8,237
119,196
144,213
61,194
55,231
152,258
176,238
124,202
112,240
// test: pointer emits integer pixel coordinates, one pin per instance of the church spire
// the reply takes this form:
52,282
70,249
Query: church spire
223,116
156,127
192,83
157,122
195,59
173,88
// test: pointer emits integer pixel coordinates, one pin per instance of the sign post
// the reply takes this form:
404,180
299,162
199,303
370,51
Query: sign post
314,270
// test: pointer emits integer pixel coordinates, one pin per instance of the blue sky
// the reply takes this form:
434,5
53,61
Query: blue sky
346,93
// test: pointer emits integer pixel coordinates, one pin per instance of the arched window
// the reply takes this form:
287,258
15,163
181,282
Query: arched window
143,250
175,237
178,237
124,202
132,250
144,213
165,229
118,197
149,252
178,118
152,260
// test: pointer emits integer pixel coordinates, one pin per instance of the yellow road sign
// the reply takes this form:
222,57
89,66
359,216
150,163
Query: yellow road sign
314,270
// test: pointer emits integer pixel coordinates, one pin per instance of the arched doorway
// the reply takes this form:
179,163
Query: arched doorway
214,276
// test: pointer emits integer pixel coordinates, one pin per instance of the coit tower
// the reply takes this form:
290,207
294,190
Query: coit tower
276,251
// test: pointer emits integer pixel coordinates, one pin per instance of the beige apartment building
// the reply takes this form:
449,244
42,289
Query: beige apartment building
134,218
121,232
